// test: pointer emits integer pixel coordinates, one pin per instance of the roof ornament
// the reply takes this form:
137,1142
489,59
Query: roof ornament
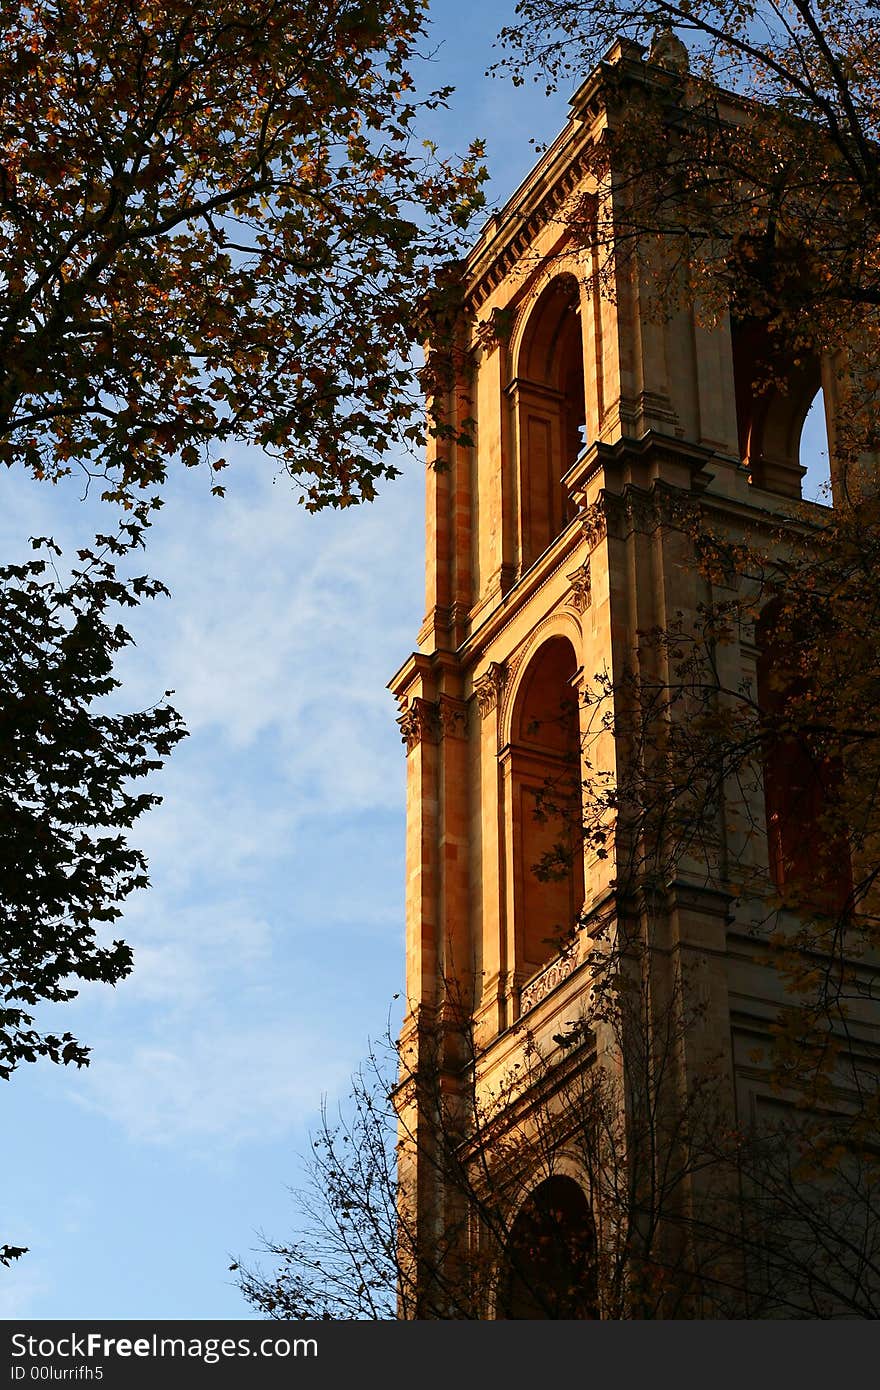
668,50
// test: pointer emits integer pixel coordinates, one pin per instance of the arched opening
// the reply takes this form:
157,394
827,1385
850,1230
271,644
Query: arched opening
548,397
551,1257
814,453
547,807
774,392
808,853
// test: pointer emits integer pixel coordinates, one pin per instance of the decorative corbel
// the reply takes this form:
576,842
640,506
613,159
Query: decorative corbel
452,717
581,588
418,719
490,687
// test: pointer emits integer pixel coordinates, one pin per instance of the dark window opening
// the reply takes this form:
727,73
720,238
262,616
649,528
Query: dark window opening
551,1257
774,388
809,856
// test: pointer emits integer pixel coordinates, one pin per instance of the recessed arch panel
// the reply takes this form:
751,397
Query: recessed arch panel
547,391
550,1264
808,854
546,816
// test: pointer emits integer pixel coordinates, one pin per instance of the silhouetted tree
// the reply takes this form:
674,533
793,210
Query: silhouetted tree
69,769
673,1211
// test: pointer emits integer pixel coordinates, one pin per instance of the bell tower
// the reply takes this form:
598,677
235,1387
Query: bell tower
546,556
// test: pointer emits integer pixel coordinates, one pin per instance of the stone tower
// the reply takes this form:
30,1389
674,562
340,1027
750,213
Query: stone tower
545,559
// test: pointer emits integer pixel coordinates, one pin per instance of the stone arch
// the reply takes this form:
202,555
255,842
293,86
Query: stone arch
548,398
558,624
774,391
550,1266
543,800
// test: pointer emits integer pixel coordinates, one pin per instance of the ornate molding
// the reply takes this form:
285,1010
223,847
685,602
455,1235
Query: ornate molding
418,720
552,975
429,720
452,717
594,524
581,588
635,509
644,512
515,233
490,688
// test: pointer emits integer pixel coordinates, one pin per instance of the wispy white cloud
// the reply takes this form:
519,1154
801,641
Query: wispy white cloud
268,945
188,958
278,640
272,636
225,1086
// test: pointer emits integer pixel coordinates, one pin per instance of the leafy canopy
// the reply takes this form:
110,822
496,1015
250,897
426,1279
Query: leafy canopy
216,225
68,770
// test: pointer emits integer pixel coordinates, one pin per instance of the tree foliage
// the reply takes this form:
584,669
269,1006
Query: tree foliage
69,769
217,225
341,1264
68,794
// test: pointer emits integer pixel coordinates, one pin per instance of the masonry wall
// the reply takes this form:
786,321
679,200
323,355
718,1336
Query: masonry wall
658,424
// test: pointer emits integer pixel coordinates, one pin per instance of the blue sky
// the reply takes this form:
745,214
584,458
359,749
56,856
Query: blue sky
270,944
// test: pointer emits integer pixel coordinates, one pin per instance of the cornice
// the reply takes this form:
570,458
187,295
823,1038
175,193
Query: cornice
416,665
513,229
512,233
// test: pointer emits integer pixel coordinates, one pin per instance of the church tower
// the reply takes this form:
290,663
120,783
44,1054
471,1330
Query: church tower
547,555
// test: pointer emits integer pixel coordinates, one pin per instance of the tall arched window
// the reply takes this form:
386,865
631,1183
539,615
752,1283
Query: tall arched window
546,795
549,410
550,1268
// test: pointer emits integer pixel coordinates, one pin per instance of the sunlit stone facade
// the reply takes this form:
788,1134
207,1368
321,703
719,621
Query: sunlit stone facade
546,555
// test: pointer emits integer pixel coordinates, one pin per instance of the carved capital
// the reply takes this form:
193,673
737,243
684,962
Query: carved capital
645,512
418,720
594,524
452,717
581,588
490,687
